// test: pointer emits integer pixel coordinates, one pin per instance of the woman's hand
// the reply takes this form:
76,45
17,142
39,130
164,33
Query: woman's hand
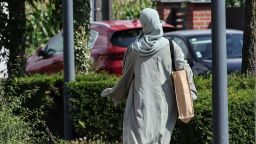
106,92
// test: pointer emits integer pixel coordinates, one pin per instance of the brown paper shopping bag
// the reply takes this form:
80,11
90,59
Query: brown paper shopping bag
183,95
182,91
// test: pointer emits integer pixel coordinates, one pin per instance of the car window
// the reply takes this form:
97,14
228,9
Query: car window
182,45
101,41
92,38
234,46
203,46
124,38
55,45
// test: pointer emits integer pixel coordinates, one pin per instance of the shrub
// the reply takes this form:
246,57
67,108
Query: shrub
13,129
43,97
96,118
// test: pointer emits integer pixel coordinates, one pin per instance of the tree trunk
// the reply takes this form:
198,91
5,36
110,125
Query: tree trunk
16,38
249,45
82,10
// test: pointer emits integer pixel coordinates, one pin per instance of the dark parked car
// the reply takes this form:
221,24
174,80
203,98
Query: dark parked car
108,42
197,47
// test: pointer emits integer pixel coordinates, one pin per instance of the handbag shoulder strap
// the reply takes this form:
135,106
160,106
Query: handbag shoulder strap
172,54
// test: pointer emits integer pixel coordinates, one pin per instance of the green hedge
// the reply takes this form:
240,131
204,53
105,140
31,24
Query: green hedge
96,118
13,129
43,92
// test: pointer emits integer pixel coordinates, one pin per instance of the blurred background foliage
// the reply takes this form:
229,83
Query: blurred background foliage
43,21
130,8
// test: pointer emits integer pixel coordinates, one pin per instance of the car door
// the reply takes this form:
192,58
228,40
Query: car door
49,59
196,67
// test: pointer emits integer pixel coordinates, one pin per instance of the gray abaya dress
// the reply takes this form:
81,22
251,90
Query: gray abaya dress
151,112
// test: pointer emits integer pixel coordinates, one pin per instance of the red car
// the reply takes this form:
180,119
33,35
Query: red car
108,42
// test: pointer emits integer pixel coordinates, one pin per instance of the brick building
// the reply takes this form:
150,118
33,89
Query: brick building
186,14
196,14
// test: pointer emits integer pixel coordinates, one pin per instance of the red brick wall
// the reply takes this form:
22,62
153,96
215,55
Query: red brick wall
197,16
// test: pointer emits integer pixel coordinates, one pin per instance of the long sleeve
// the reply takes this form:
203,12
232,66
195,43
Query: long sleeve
180,64
121,89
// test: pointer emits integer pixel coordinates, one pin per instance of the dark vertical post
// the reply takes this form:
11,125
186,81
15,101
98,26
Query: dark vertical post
110,10
93,17
69,66
106,7
98,10
219,100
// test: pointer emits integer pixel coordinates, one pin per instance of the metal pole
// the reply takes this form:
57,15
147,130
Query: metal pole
98,10
106,9
69,66
92,2
219,99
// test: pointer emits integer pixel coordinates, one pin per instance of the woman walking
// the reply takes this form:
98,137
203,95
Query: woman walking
151,111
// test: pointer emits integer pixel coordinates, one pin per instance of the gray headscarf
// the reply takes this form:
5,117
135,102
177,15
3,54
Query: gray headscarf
151,38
